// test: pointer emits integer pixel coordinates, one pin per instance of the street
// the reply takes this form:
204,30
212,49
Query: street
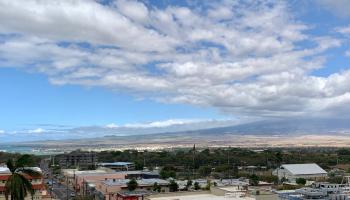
56,188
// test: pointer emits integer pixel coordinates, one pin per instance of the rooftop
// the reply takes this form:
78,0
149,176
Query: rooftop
143,182
107,173
4,170
116,163
299,169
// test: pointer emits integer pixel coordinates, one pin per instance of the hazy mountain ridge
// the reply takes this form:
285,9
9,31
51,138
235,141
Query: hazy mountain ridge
284,128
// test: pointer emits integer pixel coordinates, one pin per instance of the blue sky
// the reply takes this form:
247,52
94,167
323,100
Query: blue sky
31,101
125,63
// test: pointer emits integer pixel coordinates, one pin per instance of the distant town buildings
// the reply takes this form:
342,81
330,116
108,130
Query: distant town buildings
291,172
79,159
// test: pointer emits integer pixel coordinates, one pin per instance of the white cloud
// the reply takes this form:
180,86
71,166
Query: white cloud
158,124
2,131
344,30
37,130
241,59
134,10
347,53
337,7
112,125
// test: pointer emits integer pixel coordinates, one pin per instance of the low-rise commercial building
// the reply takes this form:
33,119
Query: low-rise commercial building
82,180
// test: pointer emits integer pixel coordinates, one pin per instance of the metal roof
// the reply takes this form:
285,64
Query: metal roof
4,170
115,164
300,169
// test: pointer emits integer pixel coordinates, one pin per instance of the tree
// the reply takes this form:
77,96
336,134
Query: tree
300,181
207,187
235,171
278,158
197,186
173,186
189,184
156,187
168,172
204,170
254,180
284,179
17,185
269,179
132,184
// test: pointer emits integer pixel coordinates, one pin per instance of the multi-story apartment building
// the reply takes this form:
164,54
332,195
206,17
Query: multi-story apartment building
37,183
78,159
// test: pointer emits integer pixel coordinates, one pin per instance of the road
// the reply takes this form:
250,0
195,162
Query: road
58,190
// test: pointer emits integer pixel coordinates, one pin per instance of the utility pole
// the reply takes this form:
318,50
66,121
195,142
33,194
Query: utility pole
144,159
194,165
67,187
228,163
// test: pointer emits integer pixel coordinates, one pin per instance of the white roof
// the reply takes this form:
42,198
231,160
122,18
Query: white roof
300,169
116,164
4,170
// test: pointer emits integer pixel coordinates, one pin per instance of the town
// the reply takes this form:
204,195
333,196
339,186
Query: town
174,99
184,174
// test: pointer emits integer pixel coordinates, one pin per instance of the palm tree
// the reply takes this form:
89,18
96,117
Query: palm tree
17,185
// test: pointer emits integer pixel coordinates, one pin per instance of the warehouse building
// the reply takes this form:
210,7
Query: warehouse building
291,172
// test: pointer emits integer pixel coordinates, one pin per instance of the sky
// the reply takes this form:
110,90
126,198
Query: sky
72,69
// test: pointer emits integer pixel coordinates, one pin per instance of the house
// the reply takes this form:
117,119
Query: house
291,172
37,182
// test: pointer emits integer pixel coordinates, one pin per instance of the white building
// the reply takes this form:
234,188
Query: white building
307,171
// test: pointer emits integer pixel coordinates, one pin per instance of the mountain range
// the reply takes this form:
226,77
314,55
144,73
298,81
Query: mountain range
291,132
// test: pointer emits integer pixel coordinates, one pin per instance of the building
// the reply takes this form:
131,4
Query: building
291,172
78,159
321,191
134,195
198,196
142,174
118,166
82,180
111,187
70,174
37,183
